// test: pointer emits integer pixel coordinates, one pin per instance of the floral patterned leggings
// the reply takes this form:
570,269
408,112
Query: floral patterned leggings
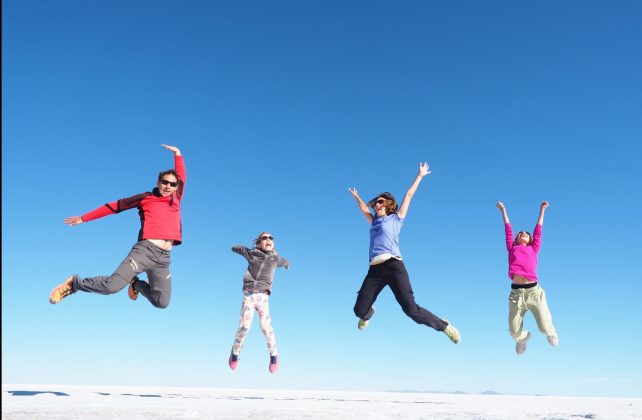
255,302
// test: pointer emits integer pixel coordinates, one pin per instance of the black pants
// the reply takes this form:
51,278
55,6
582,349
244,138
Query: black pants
393,273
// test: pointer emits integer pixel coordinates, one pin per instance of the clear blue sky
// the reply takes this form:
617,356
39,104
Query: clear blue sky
278,108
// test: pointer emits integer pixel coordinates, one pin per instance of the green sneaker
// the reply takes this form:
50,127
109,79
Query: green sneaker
452,333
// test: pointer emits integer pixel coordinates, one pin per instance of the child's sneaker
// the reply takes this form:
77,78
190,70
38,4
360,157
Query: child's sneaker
520,346
62,291
452,333
234,361
553,340
274,364
131,292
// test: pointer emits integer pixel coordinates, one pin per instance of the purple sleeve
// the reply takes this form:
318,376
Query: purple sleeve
537,238
508,231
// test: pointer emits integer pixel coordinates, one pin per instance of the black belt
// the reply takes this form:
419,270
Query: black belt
523,286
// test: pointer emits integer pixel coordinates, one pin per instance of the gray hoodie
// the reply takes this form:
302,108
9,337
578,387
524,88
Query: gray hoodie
261,267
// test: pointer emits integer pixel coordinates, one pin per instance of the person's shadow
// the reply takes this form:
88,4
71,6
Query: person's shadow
32,393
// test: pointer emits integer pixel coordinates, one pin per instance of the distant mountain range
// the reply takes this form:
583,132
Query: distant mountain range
490,392
447,392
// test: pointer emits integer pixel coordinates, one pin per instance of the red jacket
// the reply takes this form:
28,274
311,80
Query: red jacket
160,217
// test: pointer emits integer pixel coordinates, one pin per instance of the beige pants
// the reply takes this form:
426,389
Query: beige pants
521,301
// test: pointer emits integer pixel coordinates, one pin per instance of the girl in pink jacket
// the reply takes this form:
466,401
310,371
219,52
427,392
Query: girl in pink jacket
526,294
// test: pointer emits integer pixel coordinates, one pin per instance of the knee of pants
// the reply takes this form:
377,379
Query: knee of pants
412,313
514,334
360,312
160,300
115,283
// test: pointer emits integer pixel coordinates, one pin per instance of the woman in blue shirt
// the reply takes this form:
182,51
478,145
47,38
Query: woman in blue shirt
386,265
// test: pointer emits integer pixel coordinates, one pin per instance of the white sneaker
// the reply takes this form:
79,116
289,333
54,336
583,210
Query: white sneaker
452,333
553,340
520,347
363,324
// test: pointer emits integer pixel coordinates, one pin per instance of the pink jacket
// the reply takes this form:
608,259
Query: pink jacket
522,259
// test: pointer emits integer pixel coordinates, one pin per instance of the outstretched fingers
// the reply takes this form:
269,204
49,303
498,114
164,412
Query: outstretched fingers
424,168
73,220
173,149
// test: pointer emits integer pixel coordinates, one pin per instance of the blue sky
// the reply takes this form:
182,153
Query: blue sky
278,108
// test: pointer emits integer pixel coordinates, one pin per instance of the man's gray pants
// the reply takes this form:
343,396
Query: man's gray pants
144,257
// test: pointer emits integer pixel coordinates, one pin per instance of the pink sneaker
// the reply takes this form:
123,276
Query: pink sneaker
553,340
234,361
520,347
274,364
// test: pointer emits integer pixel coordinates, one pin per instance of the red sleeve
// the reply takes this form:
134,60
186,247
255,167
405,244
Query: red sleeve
114,207
179,167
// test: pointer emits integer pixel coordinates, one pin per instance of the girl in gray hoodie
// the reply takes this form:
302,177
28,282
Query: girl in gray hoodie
257,286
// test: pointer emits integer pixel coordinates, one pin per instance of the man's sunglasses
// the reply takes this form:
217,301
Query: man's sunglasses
265,238
170,183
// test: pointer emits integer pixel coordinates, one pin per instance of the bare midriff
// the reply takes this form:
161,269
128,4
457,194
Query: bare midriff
517,279
165,244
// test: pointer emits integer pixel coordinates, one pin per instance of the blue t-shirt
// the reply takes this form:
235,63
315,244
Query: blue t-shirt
384,235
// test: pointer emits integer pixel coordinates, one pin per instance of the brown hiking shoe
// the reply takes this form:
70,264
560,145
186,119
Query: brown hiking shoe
131,292
62,291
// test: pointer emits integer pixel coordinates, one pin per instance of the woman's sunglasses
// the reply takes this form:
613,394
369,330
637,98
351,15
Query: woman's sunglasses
170,183
265,238
379,201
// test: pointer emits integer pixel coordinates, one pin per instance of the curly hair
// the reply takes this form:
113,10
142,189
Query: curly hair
390,202
391,206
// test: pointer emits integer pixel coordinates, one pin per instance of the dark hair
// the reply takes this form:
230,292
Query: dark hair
391,203
168,172
530,237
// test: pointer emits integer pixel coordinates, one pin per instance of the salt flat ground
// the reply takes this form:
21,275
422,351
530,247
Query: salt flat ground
109,402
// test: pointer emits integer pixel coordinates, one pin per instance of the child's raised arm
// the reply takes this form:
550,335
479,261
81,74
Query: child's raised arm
502,208
508,229
542,207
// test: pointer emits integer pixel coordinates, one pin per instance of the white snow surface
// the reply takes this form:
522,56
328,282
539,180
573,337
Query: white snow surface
112,402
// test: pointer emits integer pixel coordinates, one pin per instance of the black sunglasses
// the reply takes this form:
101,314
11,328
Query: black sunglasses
379,201
170,183
265,238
